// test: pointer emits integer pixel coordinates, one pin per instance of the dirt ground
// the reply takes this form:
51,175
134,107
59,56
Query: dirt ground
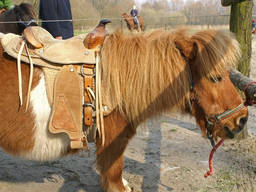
173,158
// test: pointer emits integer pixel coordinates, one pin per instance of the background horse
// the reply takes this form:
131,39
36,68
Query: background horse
22,16
130,22
144,75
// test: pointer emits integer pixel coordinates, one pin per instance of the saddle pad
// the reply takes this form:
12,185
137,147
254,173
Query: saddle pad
67,106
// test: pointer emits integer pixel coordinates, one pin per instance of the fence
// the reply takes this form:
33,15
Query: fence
159,22
86,24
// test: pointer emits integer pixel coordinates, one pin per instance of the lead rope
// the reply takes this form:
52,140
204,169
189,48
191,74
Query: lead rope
248,101
19,72
210,172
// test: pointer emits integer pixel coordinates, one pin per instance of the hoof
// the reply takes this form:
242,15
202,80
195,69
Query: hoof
126,186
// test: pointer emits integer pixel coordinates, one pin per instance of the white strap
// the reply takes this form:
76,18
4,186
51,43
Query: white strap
19,71
30,77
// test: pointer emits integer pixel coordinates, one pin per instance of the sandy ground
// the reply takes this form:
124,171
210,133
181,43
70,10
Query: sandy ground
173,158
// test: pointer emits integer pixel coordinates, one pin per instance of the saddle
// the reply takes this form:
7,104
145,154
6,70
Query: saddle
69,67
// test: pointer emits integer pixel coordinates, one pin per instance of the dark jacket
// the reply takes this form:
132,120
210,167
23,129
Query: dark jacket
134,12
57,10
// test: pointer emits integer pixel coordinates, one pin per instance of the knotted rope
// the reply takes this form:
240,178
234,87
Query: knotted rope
210,172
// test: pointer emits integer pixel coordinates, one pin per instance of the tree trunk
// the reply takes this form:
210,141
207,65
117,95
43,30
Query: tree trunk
230,2
240,24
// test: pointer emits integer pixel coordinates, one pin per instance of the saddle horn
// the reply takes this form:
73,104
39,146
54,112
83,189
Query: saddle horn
97,36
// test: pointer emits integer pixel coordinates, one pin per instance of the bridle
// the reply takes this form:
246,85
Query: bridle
27,23
212,120
23,23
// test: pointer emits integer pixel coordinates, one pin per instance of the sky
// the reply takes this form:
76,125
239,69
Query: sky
140,1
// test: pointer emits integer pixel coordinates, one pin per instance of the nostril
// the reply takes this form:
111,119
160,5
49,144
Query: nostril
229,132
242,122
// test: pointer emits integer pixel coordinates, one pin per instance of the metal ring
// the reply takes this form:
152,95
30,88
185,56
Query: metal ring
89,105
85,74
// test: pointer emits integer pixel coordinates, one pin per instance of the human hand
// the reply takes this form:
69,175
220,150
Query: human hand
59,37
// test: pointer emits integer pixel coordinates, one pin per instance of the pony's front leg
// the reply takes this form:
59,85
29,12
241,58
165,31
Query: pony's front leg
110,156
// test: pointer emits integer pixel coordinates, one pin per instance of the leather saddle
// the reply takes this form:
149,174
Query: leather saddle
70,51
68,90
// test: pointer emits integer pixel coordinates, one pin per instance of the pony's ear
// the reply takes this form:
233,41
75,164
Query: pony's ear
195,50
186,48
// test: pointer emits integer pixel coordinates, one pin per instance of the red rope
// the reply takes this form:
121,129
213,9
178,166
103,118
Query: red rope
248,101
210,172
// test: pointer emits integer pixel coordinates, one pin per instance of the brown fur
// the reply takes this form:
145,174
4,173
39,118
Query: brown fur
130,22
16,135
149,73
24,12
110,156
145,74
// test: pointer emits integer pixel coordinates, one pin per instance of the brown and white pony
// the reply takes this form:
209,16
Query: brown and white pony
130,22
146,74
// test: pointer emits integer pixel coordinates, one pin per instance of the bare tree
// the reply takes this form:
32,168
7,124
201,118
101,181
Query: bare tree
100,5
240,24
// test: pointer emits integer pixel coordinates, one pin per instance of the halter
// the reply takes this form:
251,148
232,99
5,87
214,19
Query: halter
27,23
212,120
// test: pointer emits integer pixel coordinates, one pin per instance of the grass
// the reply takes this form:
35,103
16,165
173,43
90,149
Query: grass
227,181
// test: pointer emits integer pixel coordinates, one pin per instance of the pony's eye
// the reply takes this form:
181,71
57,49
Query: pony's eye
216,79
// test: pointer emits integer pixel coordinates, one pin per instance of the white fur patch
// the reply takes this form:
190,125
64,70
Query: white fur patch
47,146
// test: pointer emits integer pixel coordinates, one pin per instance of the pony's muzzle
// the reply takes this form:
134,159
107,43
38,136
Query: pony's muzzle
229,133
240,125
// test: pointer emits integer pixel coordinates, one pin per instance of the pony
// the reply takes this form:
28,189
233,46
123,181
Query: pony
130,22
145,74
19,17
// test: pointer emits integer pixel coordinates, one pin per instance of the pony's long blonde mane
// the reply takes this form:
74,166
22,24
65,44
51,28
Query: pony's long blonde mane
147,74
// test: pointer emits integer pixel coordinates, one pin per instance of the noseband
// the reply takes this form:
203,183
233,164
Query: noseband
214,119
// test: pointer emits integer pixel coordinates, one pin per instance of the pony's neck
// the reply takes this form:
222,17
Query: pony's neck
144,74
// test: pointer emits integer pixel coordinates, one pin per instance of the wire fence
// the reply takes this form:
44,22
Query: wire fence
160,22
151,22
